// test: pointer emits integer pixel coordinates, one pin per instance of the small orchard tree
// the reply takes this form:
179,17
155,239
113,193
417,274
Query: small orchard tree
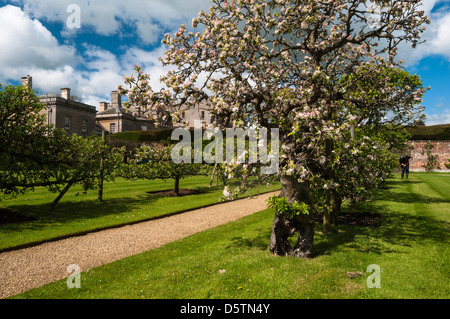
155,162
82,161
34,154
312,69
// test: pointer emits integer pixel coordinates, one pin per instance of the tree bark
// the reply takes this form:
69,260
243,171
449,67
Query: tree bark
285,227
327,211
100,178
177,185
336,211
61,195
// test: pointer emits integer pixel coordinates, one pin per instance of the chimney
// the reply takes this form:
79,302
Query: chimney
116,99
103,106
65,93
27,81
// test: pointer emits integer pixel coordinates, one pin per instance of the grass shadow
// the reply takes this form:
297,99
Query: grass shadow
261,241
70,211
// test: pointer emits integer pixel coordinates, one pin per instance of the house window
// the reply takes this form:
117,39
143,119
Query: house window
183,115
67,123
85,126
203,115
112,128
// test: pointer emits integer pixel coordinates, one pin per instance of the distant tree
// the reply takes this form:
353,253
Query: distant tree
154,161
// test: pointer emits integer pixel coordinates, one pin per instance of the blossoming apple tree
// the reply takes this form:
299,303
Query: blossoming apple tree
312,69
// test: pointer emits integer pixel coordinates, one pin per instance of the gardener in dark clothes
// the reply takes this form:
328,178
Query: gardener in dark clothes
404,163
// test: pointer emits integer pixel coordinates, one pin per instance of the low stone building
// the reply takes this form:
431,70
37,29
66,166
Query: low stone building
65,113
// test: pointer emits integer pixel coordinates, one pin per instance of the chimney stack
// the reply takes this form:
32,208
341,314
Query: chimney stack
27,81
104,106
65,93
116,99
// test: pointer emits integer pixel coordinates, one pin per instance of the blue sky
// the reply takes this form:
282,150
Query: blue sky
115,35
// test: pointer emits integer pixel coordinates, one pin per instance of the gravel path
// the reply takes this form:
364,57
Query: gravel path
33,267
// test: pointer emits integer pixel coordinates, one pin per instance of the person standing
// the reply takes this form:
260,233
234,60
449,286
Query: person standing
404,163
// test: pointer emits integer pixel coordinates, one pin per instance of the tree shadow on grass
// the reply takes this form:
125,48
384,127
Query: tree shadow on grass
70,211
260,241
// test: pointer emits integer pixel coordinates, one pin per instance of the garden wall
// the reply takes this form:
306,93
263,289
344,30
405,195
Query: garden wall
419,153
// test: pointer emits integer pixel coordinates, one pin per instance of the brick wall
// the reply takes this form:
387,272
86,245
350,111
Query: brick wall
441,148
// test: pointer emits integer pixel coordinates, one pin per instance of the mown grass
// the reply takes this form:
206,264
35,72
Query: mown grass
124,202
233,261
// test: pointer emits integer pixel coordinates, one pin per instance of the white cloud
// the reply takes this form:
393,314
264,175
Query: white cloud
27,43
436,36
438,118
92,72
147,17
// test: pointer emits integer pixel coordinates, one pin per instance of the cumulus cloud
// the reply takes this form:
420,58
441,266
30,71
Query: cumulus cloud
438,118
27,44
436,36
91,71
147,17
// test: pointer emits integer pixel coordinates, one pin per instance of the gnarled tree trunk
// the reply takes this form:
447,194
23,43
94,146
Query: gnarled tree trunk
285,227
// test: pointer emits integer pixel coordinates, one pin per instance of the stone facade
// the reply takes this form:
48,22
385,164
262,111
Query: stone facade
74,117
418,152
199,113
65,113
79,118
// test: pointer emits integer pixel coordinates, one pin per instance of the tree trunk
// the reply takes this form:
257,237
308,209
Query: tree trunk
177,185
327,211
327,194
285,227
61,195
100,178
212,176
336,211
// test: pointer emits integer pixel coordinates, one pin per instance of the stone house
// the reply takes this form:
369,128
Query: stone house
65,113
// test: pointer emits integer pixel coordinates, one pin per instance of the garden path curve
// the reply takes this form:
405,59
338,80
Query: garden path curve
32,267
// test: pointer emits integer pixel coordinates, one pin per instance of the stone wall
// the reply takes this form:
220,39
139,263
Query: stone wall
418,152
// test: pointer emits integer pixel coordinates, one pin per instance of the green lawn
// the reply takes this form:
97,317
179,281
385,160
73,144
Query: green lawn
233,261
124,202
